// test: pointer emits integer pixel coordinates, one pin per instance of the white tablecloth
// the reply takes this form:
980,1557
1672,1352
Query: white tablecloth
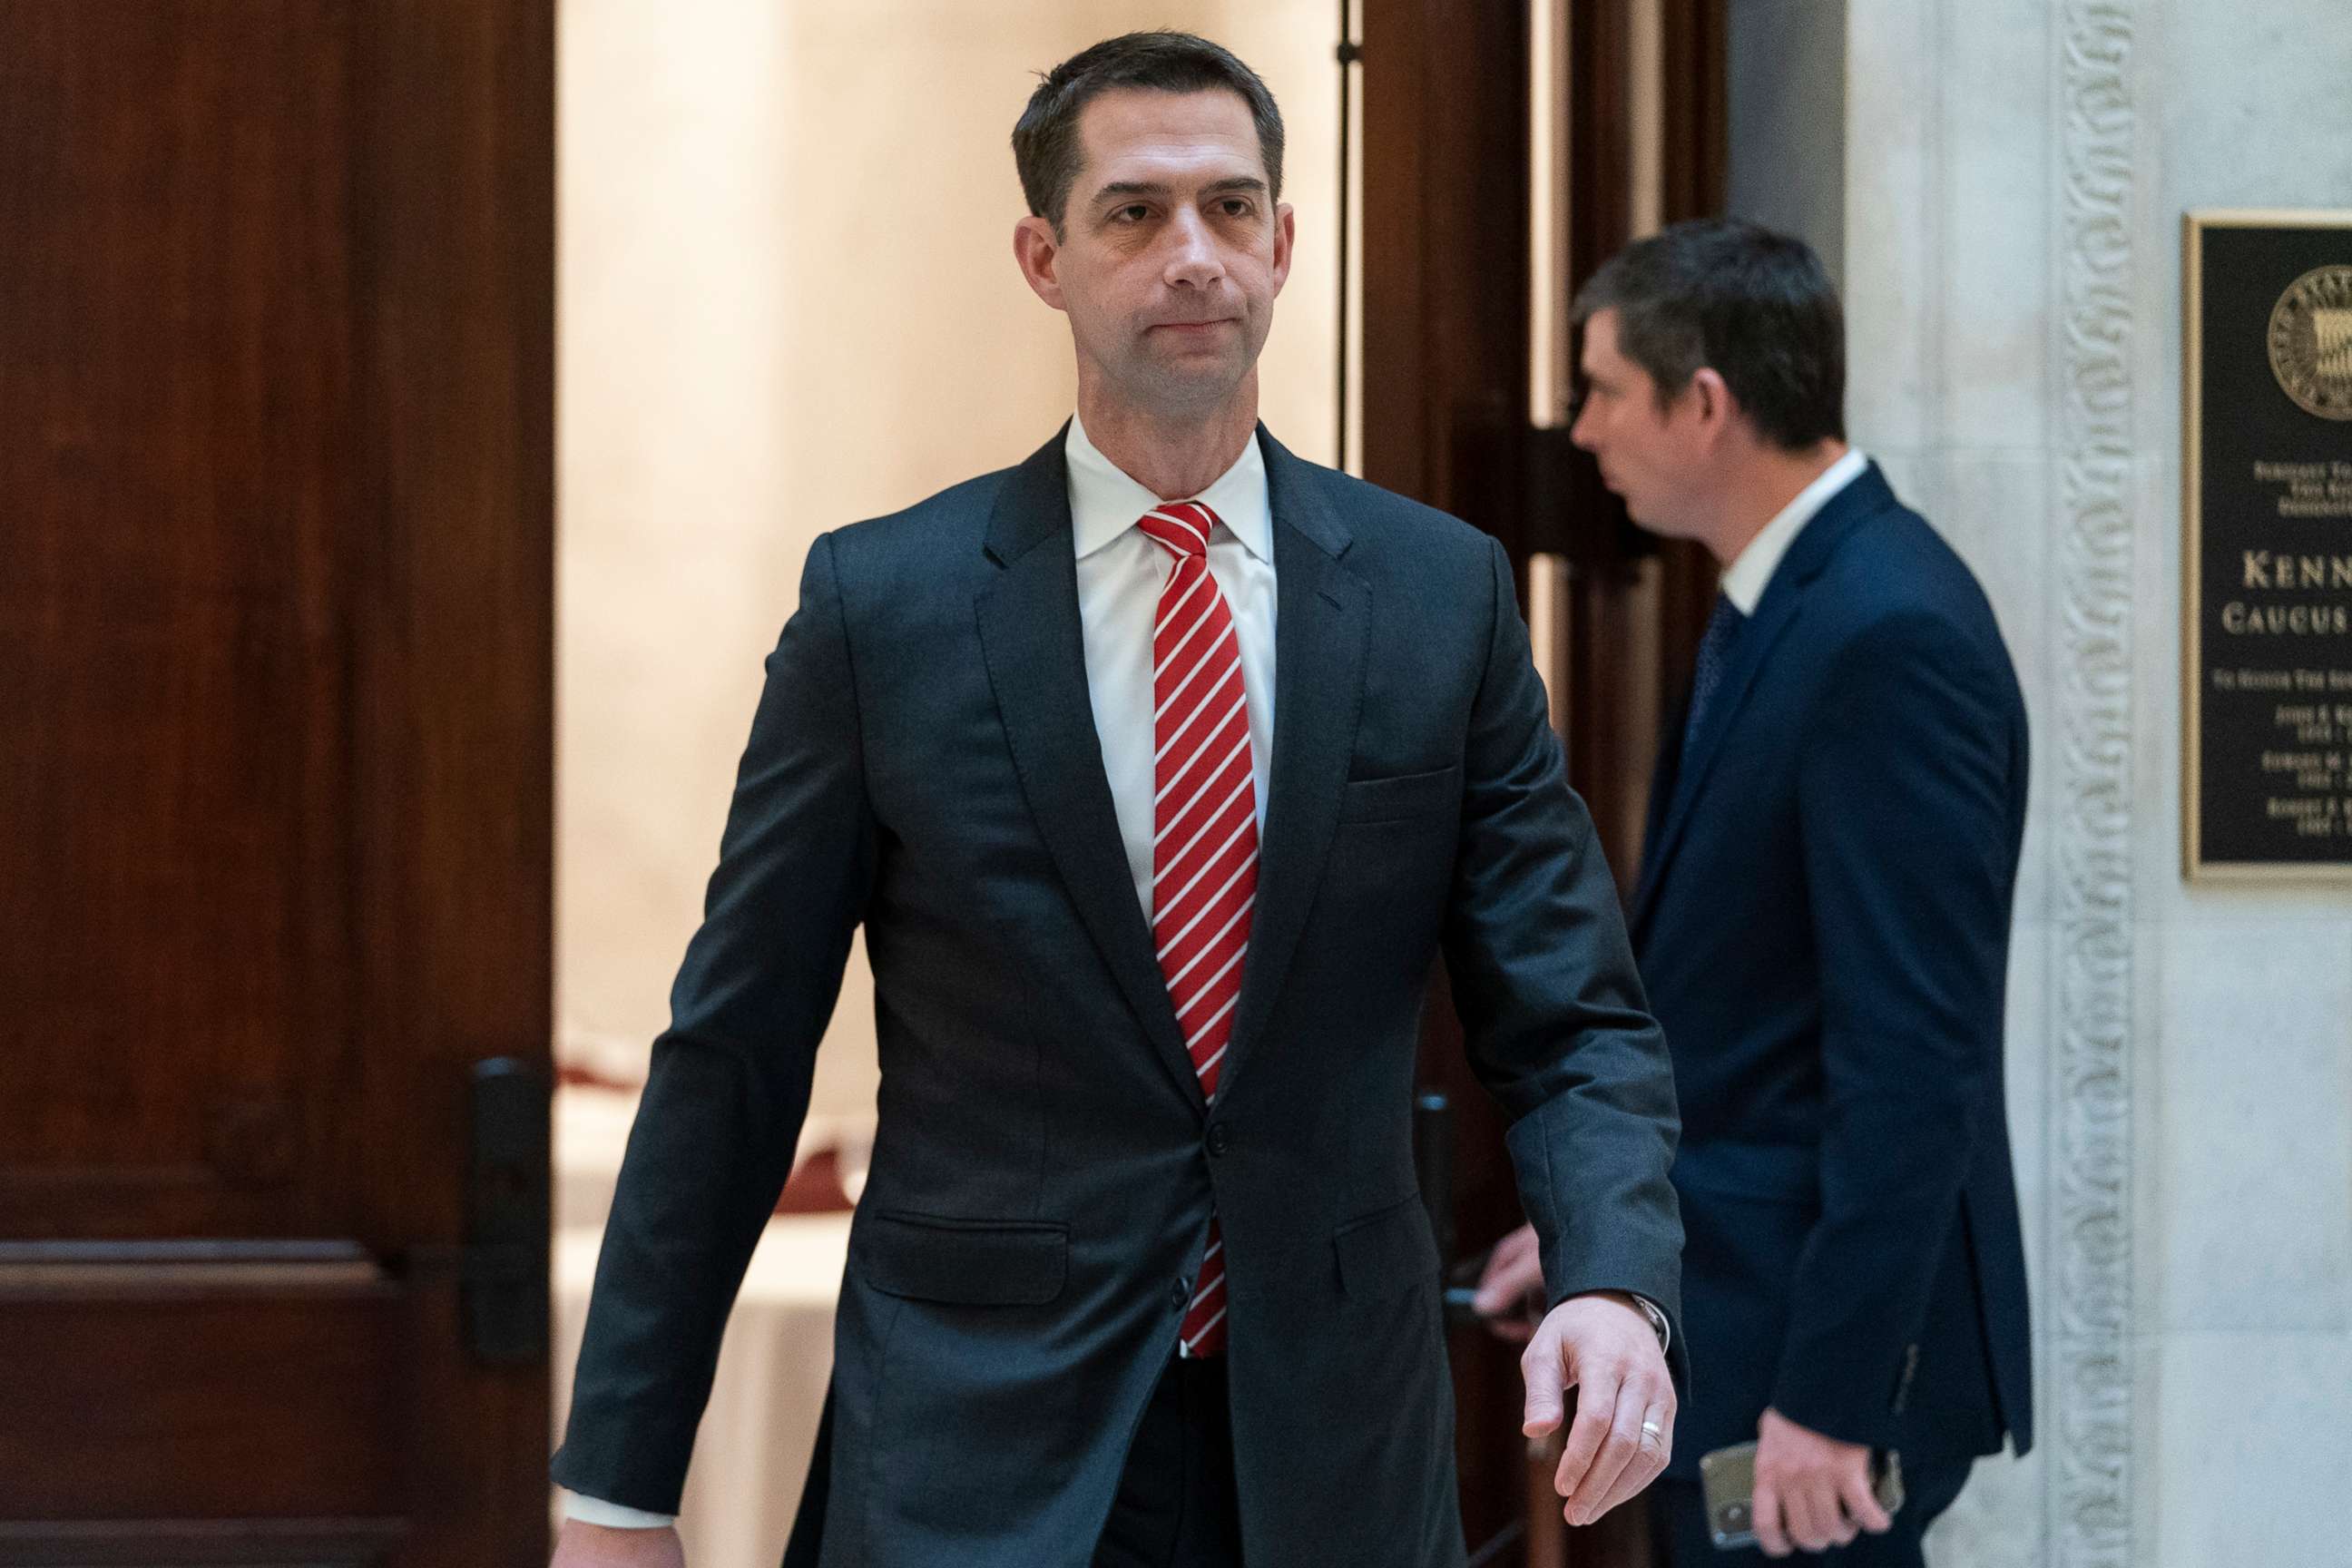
592,1130
760,1425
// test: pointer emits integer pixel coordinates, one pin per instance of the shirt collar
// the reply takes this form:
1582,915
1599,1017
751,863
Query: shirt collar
1106,501
1745,579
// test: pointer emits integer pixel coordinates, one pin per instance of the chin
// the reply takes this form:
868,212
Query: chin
1191,387
1664,528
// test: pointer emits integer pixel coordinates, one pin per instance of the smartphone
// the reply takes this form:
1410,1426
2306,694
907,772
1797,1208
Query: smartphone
1728,1480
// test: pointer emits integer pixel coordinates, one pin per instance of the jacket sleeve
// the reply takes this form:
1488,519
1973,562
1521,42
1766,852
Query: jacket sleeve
1552,1009
728,1084
1904,797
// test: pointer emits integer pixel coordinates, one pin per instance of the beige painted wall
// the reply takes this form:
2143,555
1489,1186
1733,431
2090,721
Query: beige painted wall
787,302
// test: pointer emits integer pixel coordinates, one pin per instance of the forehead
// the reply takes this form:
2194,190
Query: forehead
1133,134
1600,341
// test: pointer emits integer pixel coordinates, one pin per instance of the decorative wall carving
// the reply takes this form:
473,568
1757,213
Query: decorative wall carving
2089,1425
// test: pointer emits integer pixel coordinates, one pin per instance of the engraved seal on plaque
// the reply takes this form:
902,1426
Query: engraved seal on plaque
2311,342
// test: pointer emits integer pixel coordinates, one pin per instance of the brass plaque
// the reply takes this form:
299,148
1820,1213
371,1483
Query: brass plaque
2267,566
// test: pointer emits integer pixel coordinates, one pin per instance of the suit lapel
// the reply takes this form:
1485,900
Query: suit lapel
1662,777
1034,647
1784,603
1321,618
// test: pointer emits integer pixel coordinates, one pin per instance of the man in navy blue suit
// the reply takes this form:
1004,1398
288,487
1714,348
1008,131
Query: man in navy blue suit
1823,915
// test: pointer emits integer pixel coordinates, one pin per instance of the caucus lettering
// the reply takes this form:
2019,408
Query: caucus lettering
2239,618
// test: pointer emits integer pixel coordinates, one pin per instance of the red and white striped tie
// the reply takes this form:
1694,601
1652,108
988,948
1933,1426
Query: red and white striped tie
1205,831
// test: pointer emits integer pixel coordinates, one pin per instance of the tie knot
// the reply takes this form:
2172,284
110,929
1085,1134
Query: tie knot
1179,527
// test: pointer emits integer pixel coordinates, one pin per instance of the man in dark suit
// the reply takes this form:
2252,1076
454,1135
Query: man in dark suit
1823,915
1140,1274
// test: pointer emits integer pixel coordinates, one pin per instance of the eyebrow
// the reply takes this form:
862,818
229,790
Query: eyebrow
1233,184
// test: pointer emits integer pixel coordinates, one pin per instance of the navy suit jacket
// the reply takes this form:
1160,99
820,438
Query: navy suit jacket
924,761
1823,919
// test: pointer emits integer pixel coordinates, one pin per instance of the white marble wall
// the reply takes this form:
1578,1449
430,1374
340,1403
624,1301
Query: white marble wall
1786,99
2015,173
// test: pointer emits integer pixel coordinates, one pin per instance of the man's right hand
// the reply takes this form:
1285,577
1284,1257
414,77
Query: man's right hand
584,1545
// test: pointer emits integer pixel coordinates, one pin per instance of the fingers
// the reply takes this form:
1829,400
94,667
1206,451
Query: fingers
1640,1433
1790,1519
1830,1507
1600,1344
1862,1504
1588,1433
1771,1535
1812,1491
1513,1270
1816,1523
1654,1439
1658,1427
1589,1500
1808,1503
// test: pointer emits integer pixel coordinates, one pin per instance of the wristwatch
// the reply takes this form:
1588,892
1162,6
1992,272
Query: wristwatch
1657,1317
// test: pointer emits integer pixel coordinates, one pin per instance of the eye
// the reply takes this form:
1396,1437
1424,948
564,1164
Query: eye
1134,212
1237,206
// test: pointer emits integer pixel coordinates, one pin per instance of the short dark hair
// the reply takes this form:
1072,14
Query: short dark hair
1045,146
1756,307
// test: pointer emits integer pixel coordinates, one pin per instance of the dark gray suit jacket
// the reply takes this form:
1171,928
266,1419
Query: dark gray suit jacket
924,761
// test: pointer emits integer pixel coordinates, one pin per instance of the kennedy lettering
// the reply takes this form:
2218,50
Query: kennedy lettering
2266,570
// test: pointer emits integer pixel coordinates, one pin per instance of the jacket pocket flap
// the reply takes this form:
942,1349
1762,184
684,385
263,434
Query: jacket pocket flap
1386,1252
971,1263
1407,795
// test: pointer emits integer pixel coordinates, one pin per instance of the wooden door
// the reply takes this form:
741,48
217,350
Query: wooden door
1449,296
275,692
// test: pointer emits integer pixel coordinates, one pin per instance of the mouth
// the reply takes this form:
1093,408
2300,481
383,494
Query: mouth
1191,328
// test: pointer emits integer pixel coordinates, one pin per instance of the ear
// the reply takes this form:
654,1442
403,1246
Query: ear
1285,234
1039,254
1712,398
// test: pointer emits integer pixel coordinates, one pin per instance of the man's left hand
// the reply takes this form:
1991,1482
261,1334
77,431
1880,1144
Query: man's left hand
1812,1492
1603,1346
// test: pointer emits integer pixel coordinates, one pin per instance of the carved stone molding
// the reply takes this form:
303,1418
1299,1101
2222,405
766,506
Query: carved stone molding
2089,1428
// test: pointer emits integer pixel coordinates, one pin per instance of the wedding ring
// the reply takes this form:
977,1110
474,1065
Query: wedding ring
1650,1429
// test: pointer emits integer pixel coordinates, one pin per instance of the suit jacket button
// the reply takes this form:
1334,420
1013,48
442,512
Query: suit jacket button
1217,1140
1183,1294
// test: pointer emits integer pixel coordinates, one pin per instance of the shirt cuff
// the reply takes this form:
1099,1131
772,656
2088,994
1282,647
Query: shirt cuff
596,1510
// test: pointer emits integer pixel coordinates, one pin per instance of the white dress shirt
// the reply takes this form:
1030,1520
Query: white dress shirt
1120,573
1745,579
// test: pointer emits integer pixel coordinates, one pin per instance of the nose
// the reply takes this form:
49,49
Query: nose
1581,430
1192,259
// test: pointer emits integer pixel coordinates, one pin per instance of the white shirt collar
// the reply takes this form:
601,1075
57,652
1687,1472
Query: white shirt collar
1745,579
1106,501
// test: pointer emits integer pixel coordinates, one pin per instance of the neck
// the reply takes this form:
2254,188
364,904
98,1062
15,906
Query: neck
1758,492
1173,456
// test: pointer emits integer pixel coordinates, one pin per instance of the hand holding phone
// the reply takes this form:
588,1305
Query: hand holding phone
1727,1480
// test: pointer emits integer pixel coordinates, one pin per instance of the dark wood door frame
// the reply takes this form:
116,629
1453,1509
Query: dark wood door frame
1445,409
